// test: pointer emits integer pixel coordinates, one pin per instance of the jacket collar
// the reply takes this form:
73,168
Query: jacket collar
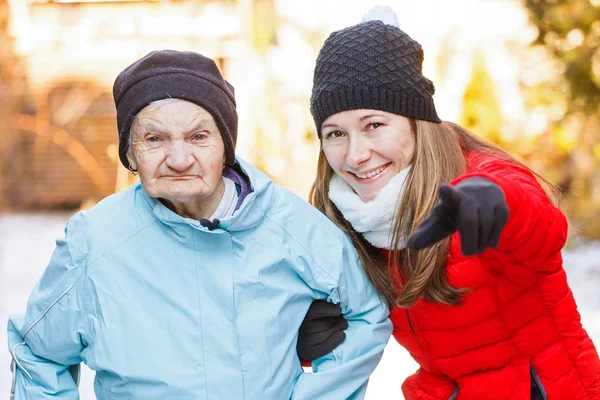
254,207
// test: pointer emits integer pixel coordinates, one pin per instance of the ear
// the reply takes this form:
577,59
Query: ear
133,165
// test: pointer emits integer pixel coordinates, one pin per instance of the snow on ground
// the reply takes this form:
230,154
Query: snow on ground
26,242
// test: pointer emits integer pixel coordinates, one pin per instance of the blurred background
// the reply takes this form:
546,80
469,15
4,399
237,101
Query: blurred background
525,74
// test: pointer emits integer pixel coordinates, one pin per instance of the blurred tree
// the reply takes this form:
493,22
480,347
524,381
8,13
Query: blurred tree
481,109
569,32
12,85
5,96
265,25
259,30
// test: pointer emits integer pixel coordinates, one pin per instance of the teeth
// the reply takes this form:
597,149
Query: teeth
372,173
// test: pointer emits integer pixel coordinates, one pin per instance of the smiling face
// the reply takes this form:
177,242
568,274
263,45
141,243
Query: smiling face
179,154
367,148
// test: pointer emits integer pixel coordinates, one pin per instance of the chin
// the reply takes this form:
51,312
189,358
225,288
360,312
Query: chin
183,196
368,195
183,188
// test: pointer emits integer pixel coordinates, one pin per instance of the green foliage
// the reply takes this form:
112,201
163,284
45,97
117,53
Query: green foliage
569,31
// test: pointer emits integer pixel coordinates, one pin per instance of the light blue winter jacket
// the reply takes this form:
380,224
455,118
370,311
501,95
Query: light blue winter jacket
162,308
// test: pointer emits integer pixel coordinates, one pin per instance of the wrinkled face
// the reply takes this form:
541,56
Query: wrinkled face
367,148
178,151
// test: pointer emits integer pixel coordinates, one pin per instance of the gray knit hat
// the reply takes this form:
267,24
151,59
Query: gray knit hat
372,65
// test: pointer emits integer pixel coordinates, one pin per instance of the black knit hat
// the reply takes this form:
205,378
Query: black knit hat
371,65
179,75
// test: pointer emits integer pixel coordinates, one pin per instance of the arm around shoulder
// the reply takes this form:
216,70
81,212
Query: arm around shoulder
343,373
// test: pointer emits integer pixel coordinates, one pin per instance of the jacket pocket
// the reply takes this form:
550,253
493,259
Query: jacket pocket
510,382
537,389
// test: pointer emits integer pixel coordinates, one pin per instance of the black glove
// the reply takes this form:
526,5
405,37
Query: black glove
476,207
75,371
321,331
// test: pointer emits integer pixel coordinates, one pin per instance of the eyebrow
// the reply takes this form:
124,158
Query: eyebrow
145,127
330,126
364,117
361,119
202,122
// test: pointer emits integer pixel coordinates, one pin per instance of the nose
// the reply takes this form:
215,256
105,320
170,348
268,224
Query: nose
358,151
179,156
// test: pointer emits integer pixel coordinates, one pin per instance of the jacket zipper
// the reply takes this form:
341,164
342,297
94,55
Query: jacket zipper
536,378
454,394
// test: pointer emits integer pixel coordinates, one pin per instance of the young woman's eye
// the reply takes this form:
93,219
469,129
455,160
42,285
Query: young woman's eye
374,125
334,135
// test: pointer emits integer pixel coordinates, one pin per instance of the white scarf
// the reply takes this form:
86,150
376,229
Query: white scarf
374,218
227,204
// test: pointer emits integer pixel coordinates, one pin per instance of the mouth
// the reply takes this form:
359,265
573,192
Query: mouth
180,177
371,175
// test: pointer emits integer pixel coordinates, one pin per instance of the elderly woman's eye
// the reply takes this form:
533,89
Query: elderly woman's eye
200,136
152,139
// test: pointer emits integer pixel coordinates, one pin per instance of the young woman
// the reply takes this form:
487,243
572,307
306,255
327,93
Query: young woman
462,241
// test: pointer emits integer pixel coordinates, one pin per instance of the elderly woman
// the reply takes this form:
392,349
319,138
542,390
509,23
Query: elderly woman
193,283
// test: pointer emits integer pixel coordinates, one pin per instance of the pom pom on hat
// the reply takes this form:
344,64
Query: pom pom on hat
384,14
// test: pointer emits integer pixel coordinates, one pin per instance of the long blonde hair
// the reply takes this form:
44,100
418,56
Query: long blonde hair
406,275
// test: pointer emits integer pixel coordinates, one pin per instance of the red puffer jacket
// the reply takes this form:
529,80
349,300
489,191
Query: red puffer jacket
518,326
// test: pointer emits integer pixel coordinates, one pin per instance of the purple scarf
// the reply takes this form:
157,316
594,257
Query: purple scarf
241,182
